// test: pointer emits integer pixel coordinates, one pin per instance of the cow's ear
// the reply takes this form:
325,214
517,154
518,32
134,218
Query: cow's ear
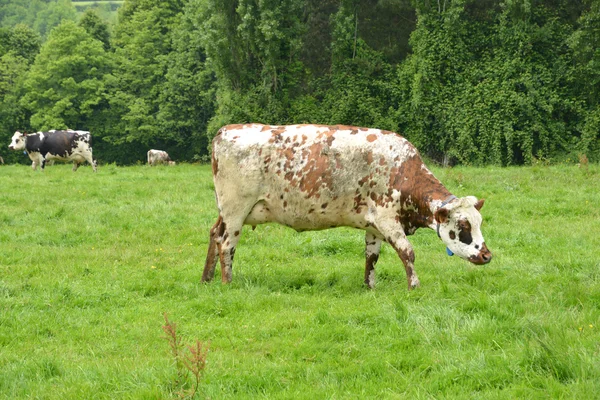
441,215
479,204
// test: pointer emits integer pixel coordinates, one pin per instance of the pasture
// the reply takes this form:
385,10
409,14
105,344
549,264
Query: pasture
90,262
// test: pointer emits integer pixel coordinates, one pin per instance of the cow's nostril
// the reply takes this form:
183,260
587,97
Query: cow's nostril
486,257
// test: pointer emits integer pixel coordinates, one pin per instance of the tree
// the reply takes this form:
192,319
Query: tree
52,15
489,87
142,44
585,43
65,87
187,101
96,27
18,48
254,49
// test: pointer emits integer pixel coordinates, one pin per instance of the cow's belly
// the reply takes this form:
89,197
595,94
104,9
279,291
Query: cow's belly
78,157
305,215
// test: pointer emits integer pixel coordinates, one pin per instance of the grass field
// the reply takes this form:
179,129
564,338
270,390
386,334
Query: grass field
90,262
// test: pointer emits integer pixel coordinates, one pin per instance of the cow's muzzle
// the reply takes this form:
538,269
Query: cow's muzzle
484,256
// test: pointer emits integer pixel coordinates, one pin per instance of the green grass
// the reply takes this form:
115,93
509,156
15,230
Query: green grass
89,263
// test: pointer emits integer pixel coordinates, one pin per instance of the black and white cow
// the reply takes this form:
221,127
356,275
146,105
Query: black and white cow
63,145
312,177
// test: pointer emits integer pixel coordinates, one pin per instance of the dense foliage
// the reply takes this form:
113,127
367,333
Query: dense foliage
468,81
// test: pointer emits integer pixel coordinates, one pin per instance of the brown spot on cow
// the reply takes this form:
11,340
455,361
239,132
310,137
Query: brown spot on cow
371,138
276,135
317,173
330,139
215,165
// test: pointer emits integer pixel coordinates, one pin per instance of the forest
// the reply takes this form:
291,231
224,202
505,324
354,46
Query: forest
472,82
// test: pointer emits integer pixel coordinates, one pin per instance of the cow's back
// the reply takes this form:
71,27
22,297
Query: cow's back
58,141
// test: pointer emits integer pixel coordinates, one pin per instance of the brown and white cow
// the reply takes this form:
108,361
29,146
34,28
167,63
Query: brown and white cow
312,177
156,157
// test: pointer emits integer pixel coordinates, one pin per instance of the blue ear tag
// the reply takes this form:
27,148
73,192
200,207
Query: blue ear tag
449,252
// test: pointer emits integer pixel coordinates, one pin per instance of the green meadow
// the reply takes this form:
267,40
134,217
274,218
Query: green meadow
91,263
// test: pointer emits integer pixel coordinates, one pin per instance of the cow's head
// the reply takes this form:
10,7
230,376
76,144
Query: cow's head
459,227
18,141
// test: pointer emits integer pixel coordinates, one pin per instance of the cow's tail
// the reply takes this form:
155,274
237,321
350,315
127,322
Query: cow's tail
213,251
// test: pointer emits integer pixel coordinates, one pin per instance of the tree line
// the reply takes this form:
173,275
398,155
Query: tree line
480,82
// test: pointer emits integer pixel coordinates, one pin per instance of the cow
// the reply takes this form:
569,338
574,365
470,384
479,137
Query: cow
156,157
313,177
63,145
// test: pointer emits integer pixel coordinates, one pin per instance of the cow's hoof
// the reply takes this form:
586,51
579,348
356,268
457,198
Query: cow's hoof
414,283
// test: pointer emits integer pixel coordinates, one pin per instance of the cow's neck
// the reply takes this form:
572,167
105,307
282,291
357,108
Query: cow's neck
420,199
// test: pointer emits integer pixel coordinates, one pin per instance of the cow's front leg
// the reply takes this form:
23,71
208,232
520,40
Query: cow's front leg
75,166
407,255
372,247
394,235
36,160
43,162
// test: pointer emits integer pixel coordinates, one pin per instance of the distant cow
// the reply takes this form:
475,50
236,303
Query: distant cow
156,157
63,145
312,177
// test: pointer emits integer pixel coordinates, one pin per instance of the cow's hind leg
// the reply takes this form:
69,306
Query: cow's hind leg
90,159
372,247
213,251
229,236
75,166
225,235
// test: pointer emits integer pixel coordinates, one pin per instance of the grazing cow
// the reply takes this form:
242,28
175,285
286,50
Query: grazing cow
156,157
312,177
63,145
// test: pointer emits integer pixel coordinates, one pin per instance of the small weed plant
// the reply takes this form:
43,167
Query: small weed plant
191,362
